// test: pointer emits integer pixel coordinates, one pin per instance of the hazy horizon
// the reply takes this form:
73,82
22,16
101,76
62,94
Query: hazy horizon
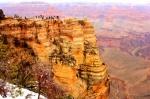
78,1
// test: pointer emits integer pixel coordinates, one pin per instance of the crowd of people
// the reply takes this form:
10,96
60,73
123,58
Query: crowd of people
48,17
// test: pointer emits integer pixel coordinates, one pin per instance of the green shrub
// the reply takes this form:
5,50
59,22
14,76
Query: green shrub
69,97
24,44
16,42
5,39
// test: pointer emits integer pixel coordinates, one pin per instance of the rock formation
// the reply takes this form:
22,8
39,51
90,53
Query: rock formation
71,47
2,16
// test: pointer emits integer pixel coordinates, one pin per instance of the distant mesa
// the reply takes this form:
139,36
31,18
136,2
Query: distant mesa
53,11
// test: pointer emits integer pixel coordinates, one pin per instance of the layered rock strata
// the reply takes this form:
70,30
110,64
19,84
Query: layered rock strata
71,47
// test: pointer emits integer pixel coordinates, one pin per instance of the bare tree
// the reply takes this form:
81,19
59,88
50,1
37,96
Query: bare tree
4,68
46,85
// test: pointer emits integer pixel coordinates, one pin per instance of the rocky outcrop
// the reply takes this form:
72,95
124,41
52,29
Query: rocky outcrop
2,16
71,48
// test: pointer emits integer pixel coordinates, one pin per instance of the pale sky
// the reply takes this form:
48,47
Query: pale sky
95,1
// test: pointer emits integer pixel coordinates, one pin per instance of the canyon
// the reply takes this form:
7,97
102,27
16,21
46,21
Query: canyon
123,39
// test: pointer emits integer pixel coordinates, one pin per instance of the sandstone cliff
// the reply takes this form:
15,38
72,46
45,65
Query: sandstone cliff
70,46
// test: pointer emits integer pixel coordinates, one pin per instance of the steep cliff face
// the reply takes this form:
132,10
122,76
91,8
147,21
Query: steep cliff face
71,47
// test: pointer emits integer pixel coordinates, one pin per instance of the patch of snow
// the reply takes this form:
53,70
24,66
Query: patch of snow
22,93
